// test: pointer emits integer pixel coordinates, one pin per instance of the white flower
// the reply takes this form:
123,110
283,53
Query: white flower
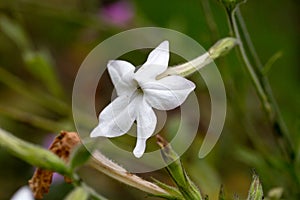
24,193
138,93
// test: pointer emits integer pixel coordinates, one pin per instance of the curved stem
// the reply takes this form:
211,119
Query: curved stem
254,78
264,92
248,40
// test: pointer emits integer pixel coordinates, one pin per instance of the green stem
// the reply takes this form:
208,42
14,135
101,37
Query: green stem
42,158
248,40
278,122
254,78
33,154
264,92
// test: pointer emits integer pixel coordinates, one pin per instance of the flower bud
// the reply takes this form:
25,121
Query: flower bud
256,191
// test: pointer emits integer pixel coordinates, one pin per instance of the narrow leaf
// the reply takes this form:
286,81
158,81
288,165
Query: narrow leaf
14,32
175,193
270,62
39,64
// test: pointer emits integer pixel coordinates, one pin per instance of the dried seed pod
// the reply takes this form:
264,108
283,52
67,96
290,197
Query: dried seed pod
62,146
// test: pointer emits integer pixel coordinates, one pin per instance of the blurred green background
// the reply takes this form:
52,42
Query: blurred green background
37,73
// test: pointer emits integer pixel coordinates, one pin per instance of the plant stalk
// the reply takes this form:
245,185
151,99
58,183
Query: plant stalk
264,92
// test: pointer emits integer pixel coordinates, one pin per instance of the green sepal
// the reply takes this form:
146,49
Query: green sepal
255,191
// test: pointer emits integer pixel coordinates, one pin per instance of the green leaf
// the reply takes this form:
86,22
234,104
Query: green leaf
78,194
270,62
15,32
39,64
250,157
79,156
175,193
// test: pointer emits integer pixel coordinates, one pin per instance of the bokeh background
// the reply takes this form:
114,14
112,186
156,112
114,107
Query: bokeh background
42,44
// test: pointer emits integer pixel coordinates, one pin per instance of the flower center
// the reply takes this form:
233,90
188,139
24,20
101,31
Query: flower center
139,90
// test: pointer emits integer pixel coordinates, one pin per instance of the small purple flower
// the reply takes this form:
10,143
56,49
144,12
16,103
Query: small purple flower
118,13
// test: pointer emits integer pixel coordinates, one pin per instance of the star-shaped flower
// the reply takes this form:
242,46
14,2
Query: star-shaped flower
138,93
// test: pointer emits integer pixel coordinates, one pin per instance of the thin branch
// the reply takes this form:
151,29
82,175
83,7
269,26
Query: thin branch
248,40
265,94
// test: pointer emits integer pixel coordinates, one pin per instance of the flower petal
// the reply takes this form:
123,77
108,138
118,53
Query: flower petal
116,119
24,193
156,63
146,123
121,74
167,93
